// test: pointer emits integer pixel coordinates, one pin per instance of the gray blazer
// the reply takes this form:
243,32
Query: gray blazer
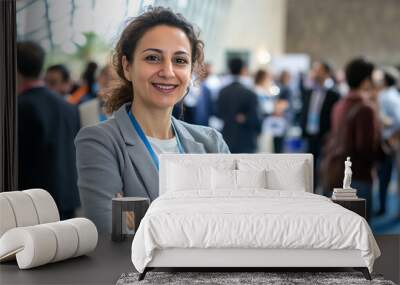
111,158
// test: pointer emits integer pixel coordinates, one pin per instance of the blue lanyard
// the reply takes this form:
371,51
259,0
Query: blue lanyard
146,142
178,141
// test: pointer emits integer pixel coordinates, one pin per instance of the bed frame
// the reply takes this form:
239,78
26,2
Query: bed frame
261,259
236,259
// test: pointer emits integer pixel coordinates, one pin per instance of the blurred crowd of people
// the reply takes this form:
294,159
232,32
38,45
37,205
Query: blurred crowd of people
52,108
87,93
330,113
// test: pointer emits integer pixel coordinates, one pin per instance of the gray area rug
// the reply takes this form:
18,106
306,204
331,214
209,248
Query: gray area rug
275,278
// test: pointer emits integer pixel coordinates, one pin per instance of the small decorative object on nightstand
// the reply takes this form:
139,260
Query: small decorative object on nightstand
345,193
357,205
347,174
347,196
127,212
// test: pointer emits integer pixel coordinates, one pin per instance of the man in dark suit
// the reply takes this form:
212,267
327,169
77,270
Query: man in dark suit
47,126
318,103
237,106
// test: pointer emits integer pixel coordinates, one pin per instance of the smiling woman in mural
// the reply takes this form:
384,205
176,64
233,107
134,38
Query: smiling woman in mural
155,58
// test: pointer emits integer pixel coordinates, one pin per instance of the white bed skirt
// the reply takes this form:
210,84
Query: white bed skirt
192,257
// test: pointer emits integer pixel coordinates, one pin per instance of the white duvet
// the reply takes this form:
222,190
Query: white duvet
252,218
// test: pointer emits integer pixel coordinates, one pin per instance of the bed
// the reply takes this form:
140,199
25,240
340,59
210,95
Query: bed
245,211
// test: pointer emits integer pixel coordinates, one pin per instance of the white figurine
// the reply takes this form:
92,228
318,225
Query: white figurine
347,174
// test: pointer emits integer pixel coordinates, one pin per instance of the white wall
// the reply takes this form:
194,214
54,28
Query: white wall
252,25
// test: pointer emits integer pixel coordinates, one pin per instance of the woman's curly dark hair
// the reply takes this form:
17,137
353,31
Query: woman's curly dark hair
121,91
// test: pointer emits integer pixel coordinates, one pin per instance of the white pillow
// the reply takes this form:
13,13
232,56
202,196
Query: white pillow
277,180
223,179
183,178
226,179
251,178
282,174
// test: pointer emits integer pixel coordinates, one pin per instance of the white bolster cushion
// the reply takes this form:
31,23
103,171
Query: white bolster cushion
33,246
41,244
7,218
66,238
23,208
46,208
26,208
87,235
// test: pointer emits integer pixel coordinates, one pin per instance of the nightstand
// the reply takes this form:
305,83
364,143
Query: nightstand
136,207
358,205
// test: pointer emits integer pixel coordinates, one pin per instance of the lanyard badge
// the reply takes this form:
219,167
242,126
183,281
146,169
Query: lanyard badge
146,142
